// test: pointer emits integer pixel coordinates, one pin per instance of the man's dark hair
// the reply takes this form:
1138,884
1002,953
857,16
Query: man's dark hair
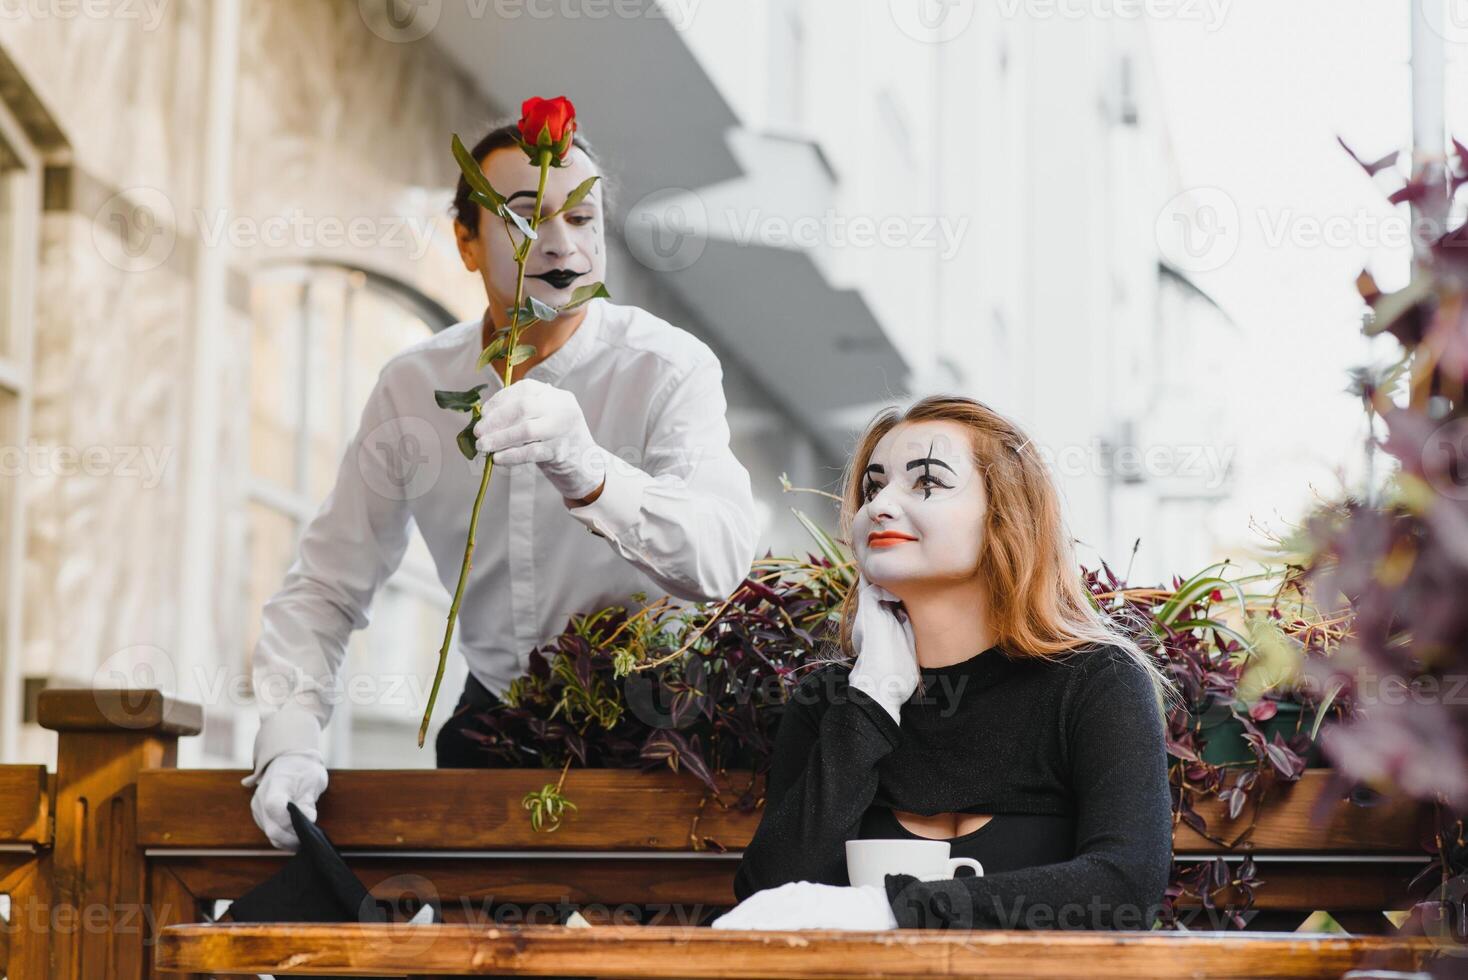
467,212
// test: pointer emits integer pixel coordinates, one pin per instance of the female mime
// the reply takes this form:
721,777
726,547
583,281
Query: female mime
989,705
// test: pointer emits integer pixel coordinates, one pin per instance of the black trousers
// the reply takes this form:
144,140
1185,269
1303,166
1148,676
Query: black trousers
454,749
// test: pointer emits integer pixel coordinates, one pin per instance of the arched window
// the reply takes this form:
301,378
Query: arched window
321,334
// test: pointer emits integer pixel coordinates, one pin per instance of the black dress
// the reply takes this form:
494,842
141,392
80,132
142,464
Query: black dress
1067,753
1008,842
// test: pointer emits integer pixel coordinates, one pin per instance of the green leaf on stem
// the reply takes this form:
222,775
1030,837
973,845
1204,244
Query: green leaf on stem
585,294
458,401
547,806
831,549
466,439
522,353
542,311
478,183
494,350
578,194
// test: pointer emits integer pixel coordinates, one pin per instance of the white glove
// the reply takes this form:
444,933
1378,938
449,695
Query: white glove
292,777
886,657
533,422
807,905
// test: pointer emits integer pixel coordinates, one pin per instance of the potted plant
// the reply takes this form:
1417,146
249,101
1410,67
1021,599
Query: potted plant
1395,559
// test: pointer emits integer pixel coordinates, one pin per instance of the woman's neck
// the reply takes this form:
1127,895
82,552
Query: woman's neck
950,623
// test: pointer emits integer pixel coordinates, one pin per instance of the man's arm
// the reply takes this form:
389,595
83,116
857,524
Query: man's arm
686,515
350,547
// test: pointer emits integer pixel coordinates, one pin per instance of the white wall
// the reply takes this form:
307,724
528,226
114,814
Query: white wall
1010,132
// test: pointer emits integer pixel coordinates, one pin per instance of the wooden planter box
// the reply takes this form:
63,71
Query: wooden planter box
658,837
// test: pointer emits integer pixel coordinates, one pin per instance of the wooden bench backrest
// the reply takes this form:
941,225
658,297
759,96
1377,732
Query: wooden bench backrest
25,839
132,832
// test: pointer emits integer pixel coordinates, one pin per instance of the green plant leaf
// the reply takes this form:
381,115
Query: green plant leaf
466,439
478,183
578,194
542,311
1324,706
494,350
1213,624
522,353
585,294
458,401
1195,588
830,548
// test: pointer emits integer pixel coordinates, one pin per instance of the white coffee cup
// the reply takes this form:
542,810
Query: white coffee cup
870,860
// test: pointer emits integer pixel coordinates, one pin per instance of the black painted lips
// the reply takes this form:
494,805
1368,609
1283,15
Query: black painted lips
559,278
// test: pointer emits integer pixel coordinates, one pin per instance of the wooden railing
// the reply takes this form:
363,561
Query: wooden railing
139,845
25,848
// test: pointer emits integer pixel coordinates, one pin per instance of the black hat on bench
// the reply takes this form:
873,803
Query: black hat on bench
314,886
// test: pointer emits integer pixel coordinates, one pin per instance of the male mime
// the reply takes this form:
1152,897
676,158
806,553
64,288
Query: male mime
633,488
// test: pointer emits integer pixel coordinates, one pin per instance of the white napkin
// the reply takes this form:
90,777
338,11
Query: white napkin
808,905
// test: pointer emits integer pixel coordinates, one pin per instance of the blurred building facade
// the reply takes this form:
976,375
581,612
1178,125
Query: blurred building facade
1022,157
219,217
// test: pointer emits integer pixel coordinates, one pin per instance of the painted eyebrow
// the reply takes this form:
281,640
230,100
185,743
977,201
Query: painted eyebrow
874,468
930,460
590,198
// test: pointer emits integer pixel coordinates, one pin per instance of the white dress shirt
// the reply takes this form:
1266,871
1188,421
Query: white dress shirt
675,517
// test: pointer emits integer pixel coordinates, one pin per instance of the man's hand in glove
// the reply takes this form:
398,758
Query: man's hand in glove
293,777
533,422
886,657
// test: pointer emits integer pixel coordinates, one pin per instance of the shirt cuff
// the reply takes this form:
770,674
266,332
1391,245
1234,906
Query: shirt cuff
919,904
291,729
618,509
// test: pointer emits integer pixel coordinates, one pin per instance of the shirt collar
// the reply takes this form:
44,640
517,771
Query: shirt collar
566,357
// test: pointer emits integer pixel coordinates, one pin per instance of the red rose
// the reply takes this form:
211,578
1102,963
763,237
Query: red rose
547,124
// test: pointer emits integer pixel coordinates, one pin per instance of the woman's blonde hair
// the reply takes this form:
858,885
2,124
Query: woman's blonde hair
1038,604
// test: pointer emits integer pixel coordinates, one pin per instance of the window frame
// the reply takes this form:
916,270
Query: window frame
414,577
23,189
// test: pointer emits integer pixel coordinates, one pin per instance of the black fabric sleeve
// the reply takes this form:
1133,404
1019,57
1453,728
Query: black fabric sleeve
823,777
1118,769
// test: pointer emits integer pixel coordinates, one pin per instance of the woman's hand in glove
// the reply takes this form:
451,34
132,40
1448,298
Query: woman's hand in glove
886,665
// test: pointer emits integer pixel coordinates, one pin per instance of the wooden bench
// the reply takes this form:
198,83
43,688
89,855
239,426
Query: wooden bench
25,847
673,952
139,845
465,836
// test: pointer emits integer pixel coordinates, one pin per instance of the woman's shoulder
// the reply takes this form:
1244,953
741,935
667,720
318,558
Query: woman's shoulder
1097,666
819,683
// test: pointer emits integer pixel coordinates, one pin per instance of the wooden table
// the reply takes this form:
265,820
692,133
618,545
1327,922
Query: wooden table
683,952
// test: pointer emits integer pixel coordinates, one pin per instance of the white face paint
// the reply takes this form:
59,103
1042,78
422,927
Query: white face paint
923,519
570,249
